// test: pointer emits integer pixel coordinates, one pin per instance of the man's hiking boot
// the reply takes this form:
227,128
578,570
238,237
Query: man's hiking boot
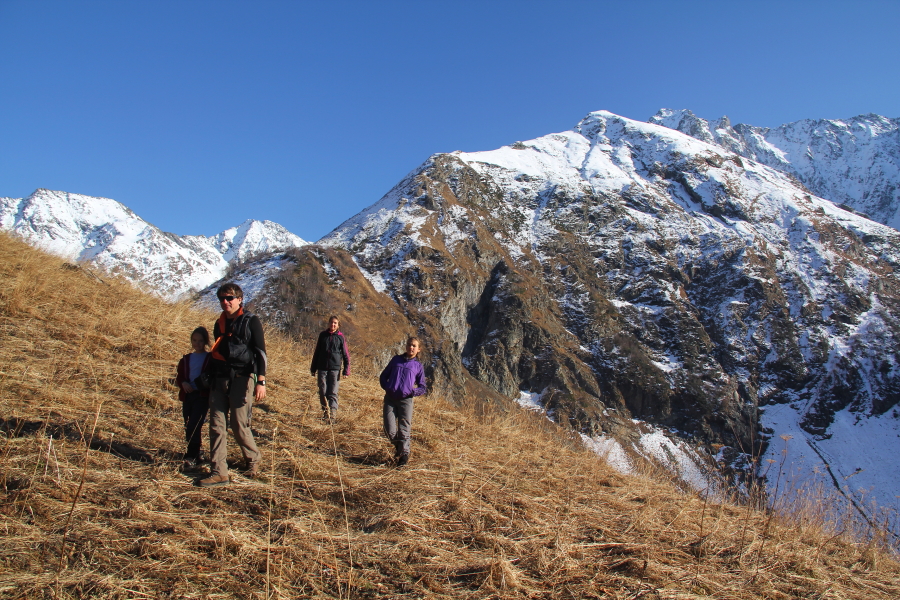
250,469
402,460
190,464
212,481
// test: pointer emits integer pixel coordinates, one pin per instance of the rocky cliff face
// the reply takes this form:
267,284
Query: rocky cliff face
109,234
626,266
855,162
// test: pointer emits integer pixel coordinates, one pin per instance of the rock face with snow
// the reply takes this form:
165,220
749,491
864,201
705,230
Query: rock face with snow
624,269
109,234
855,162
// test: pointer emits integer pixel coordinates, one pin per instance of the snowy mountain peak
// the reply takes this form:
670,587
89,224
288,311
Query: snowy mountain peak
687,122
254,237
71,225
108,233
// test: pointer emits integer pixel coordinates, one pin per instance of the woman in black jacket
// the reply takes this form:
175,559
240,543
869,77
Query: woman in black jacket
330,355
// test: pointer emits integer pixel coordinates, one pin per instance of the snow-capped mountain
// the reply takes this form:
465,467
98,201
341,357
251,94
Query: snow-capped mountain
109,234
855,162
624,269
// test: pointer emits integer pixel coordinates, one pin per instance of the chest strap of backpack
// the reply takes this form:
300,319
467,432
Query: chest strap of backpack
222,321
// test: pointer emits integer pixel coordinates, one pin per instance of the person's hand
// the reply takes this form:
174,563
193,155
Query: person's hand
260,392
187,387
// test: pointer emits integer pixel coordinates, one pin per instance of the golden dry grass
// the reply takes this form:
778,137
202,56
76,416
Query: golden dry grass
92,504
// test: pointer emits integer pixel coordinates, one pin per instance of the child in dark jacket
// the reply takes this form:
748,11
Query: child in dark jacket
194,399
402,380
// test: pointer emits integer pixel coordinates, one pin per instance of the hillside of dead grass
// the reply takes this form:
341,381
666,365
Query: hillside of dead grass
492,505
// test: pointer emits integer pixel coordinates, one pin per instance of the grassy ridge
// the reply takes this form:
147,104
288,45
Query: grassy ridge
492,506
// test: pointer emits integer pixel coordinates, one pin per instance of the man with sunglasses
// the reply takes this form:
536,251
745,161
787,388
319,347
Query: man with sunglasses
238,366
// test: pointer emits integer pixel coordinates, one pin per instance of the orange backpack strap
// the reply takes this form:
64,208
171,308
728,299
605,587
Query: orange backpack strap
213,351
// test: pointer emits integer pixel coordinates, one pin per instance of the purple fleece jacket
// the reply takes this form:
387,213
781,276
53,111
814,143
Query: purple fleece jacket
403,377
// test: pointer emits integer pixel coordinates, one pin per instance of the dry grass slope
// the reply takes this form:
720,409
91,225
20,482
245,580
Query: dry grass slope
492,506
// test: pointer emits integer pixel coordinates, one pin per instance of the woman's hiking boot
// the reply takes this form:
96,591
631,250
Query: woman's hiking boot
402,459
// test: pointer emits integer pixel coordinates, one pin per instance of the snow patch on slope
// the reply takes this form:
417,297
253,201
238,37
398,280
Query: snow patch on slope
610,450
806,466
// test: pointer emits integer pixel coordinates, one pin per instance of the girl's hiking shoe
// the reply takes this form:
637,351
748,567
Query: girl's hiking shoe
402,460
212,481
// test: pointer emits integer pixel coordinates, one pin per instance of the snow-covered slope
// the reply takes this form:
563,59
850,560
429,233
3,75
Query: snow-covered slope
107,233
688,286
854,161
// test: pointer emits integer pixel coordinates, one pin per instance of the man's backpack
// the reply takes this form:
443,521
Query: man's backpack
237,354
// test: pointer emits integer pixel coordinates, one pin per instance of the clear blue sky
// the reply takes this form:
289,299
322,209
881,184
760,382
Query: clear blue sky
199,114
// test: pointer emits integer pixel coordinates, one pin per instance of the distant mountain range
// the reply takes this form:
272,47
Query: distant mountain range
721,283
109,234
854,162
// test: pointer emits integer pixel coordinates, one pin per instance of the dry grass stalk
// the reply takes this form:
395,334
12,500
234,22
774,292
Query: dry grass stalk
87,446
493,505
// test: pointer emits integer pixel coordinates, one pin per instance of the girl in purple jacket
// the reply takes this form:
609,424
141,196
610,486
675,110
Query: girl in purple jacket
402,380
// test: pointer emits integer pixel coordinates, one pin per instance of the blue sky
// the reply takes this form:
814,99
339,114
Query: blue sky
198,115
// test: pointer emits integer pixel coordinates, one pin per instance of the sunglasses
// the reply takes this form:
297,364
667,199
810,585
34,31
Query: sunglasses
226,298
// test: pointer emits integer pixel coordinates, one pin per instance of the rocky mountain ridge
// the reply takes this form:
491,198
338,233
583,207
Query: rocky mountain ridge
854,162
111,235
